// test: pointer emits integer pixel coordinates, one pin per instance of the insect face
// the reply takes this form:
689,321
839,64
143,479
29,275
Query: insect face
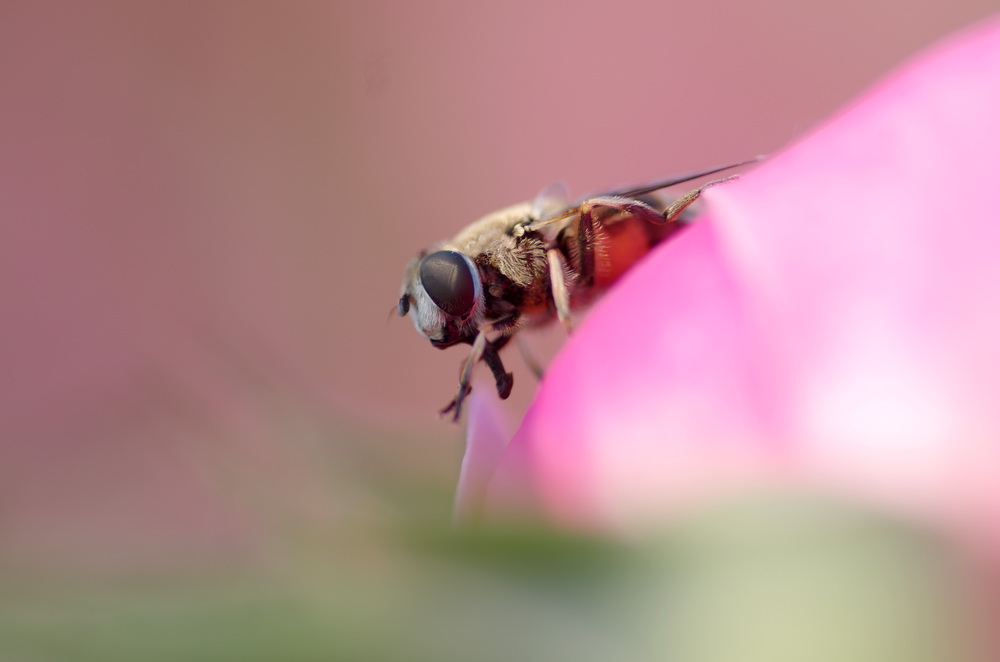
444,291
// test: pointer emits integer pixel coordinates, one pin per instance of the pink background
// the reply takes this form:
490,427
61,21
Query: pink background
207,208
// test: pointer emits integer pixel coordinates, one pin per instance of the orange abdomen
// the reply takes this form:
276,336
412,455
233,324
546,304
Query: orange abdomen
617,247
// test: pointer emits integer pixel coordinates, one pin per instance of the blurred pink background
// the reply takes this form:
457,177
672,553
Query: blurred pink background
207,208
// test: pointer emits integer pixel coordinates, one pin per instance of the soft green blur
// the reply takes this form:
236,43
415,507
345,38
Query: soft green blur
768,579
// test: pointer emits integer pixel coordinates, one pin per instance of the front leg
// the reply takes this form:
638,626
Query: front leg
504,379
465,377
488,352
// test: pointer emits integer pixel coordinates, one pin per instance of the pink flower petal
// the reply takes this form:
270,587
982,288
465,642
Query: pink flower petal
487,437
834,321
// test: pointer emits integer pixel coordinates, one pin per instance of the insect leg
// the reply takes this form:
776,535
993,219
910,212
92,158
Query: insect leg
560,293
529,358
465,377
587,232
671,213
504,379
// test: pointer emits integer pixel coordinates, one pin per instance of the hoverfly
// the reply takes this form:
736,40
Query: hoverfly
533,263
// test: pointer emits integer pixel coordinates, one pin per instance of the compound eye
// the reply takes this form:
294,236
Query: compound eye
403,306
448,279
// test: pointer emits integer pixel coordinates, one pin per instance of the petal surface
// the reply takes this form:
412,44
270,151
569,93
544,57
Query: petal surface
833,320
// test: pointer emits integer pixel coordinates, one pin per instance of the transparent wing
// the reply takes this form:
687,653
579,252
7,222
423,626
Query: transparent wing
666,183
550,200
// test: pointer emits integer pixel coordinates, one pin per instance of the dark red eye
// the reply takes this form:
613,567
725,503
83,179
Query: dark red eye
448,280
